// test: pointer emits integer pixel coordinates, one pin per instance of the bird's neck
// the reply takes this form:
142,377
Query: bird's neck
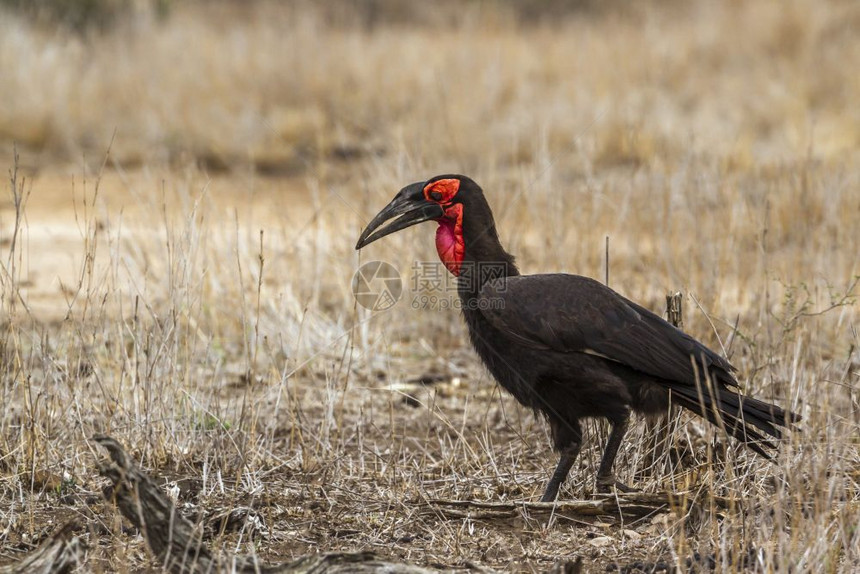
468,245
484,259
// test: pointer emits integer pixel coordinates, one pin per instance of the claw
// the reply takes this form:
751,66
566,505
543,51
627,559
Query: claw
605,485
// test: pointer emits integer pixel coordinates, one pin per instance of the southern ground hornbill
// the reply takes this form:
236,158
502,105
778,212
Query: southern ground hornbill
568,346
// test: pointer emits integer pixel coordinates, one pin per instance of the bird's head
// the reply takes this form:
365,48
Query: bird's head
444,199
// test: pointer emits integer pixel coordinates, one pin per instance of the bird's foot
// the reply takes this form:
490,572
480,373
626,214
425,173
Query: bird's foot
550,493
605,484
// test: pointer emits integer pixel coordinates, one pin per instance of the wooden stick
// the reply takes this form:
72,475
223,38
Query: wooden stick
675,309
629,504
59,554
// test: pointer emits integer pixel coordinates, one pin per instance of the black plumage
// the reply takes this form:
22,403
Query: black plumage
568,346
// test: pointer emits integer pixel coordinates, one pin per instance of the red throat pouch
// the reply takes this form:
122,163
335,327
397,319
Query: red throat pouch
449,238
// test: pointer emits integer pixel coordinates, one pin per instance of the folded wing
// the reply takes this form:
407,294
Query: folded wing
574,314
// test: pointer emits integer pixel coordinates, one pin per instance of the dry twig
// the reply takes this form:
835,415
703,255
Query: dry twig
627,505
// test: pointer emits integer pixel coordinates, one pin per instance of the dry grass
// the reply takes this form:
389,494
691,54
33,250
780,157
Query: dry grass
191,296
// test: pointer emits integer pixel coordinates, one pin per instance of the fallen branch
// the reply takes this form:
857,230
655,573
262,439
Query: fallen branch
60,553
178,544
627,505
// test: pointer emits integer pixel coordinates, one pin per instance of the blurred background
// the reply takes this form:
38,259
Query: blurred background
283,109
279,87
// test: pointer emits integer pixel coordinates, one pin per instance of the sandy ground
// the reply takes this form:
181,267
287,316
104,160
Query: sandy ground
118,212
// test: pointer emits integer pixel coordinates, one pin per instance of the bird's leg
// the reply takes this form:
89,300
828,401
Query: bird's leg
605,478
567,437
568,457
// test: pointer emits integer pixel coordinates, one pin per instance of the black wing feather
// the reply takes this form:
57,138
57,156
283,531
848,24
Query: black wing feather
570,313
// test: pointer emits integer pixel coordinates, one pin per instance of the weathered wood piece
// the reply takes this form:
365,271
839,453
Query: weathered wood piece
628,505
178,544
61,553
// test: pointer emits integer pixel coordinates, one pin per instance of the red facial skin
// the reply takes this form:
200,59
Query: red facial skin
449,235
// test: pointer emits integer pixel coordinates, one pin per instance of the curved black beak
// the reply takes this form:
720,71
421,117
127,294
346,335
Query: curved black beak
411,207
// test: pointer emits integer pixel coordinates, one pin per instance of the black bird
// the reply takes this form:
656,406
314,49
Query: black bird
568,346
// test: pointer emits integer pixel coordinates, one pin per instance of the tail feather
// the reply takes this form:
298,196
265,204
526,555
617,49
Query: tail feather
736,428
740,416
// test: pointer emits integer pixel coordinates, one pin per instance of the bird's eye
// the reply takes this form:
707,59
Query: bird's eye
436,195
